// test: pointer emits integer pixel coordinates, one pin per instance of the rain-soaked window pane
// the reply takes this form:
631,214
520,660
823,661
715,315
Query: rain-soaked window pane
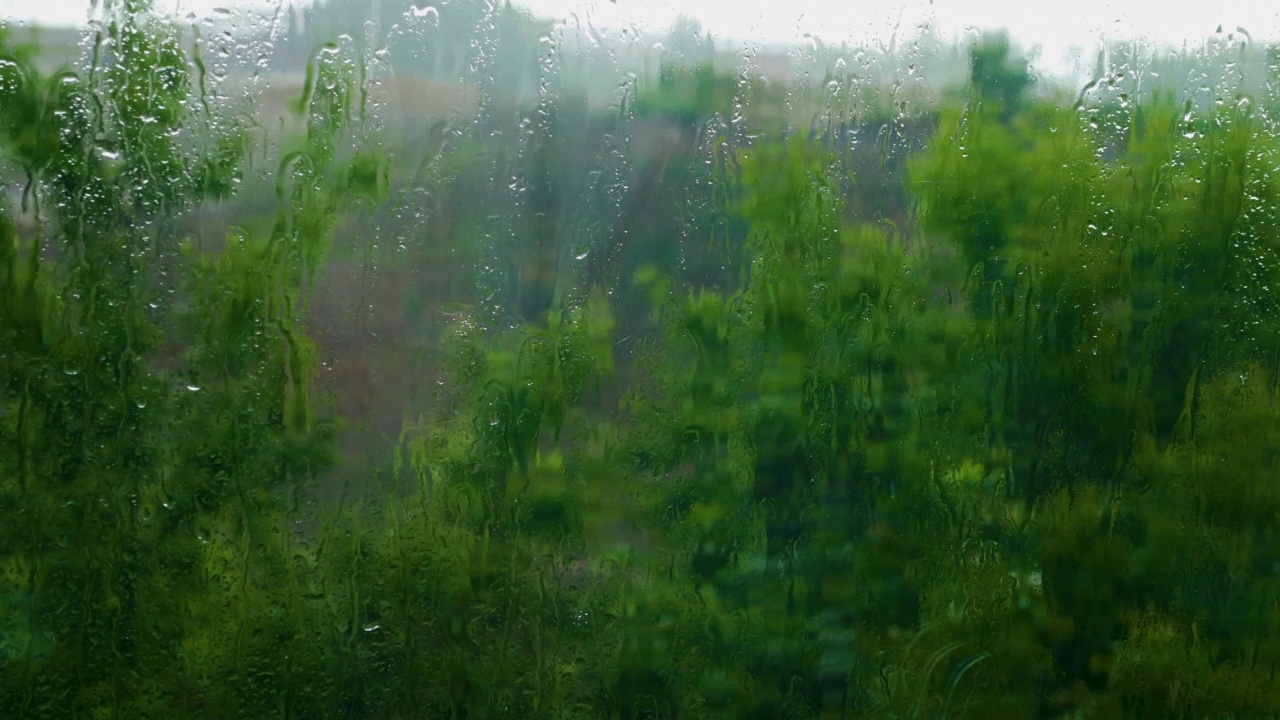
623,359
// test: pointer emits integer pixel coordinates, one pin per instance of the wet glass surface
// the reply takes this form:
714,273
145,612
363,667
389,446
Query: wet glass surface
467,360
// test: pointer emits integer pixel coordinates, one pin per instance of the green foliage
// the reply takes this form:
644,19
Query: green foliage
1010,457
995,78
158,422
689,94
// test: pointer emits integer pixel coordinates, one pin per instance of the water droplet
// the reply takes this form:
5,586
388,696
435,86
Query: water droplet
425,11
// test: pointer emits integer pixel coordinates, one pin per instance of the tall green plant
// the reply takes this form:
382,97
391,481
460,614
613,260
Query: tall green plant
158,418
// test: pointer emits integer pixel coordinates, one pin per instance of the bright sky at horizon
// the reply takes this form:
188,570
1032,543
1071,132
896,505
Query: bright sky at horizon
1054,28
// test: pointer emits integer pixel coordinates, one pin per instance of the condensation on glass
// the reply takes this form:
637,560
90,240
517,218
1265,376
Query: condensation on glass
466,360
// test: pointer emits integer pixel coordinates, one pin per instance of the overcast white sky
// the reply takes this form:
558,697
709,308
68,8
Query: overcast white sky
1053,25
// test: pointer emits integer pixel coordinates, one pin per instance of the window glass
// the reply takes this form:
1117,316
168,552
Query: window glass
476,359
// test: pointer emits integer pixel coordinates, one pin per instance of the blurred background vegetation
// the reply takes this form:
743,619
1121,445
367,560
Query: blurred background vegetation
432,361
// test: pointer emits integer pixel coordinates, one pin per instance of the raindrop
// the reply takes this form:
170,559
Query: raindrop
425,11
